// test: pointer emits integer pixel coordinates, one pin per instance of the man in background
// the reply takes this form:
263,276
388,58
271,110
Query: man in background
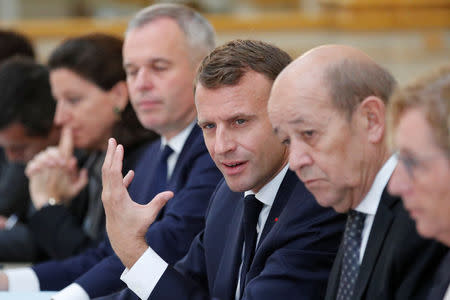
27,108
162,48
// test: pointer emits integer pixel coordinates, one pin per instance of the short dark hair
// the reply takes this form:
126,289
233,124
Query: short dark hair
98,59
351,81
13,43
227,64
26,96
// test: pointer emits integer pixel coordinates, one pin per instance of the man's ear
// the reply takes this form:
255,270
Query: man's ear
372,114
120,95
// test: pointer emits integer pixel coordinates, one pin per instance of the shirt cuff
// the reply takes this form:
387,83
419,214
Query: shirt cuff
145,273
22,280
72,292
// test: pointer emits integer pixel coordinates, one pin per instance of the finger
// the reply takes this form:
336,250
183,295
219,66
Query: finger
115,172
80,182
53,157
66,142
29,170
112,144
128,178
157,203
117,160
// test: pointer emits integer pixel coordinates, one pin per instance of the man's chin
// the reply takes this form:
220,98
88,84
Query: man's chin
237,186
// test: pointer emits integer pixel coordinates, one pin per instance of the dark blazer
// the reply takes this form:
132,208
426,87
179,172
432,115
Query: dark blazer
441,280
55,231
292,261
17,244
193,180
59,230
396,260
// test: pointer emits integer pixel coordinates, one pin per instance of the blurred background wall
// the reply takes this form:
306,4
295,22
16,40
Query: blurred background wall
409,37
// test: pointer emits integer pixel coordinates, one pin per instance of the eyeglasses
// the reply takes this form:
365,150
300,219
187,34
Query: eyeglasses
413,164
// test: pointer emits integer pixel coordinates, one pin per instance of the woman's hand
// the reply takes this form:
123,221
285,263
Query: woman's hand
54,174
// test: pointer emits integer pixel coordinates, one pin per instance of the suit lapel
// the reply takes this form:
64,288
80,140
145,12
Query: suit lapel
227,274
272,226
282,197
183,156
174,181
380,228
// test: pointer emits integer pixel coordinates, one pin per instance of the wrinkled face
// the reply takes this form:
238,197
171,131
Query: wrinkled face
422,175
18,145
326,149
160,76
238,133
84,107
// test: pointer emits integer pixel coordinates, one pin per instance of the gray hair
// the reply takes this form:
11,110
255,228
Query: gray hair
200,35
351,81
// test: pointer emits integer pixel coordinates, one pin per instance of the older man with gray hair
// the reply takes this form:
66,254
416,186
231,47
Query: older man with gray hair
329,107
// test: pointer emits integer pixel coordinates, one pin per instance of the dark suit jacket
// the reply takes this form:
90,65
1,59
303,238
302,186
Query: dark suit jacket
17,244
292,261
193,181
441,279
396,261
54,231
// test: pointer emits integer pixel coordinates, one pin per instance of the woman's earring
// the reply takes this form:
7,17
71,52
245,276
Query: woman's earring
117,111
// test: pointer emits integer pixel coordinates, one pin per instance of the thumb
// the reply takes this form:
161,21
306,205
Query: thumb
157,203
128,178
80,182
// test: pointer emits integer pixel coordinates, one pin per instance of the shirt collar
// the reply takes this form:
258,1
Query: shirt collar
369,205
177,142
268,192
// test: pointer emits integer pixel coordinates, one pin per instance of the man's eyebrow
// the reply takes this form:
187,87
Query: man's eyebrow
150,61
298,120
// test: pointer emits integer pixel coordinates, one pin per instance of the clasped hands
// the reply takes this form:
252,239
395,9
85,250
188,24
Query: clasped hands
127,222
53,173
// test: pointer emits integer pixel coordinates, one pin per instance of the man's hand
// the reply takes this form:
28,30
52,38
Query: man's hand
127,222
54,173
4,282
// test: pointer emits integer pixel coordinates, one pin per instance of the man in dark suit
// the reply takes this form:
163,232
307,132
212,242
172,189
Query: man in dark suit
162,49
265,236
27,108
329,107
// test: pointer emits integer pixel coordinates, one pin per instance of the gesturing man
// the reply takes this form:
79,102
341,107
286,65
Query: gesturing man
265,236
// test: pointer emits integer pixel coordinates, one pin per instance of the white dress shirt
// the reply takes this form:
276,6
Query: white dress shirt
142,279
369,205
24,279
447,294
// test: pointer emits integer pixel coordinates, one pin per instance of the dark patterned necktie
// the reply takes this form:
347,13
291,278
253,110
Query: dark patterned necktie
350,260
160,180
252,208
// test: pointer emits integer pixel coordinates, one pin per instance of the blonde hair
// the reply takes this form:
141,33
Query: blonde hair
430,94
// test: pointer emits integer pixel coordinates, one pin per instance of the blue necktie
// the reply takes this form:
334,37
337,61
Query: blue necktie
160,180
252,208
350,261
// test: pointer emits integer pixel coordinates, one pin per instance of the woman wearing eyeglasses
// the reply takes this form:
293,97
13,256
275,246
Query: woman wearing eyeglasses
419,126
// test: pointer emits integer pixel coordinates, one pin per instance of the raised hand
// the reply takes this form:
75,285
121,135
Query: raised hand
126,221
54,173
